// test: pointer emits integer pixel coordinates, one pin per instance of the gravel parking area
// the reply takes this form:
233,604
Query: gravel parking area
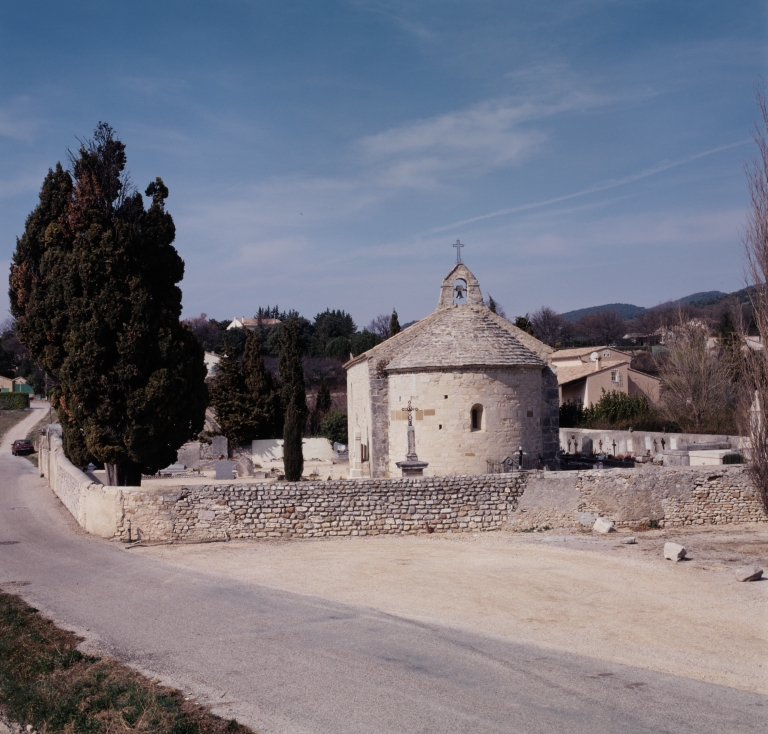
570,591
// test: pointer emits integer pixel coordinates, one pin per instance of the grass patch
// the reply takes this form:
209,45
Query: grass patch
46,682
9,418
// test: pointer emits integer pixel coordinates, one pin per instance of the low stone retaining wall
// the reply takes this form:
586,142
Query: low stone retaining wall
670,496
320,509
667,496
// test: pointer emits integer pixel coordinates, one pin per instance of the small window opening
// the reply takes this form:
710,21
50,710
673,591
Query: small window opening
440,427
445,396
615,376
459,292
476,417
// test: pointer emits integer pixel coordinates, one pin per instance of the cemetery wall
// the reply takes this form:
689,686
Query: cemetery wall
640,442
670,496
96,508
174,512
320,509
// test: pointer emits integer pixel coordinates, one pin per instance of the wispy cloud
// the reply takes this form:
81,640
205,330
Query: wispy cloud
603,186
493,134
16,122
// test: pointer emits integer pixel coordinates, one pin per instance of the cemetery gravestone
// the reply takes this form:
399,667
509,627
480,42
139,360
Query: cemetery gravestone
189,455
224,469
586,445
220,447
244,467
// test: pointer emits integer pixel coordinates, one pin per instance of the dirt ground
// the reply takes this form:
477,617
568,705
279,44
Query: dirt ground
565,590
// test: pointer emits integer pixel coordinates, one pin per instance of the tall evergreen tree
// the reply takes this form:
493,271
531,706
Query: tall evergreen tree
231,400
394,324
294,399
323,404
524,323
262,389
93,286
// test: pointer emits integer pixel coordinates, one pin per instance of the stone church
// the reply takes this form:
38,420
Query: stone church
479,386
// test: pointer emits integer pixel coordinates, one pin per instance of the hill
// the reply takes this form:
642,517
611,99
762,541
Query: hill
629,311
625,310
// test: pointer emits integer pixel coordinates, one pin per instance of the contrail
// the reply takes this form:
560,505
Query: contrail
612,184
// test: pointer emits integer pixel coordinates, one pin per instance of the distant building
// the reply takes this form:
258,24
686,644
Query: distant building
211,363
583,374
14,384
244,323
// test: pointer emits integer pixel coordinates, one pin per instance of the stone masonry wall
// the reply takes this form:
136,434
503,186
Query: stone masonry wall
512,405
671,496
319,509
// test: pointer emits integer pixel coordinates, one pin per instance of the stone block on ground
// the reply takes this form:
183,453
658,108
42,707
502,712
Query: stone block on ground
603,525
631,540
674,552
749,573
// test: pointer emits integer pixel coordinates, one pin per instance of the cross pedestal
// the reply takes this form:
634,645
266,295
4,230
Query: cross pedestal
411,467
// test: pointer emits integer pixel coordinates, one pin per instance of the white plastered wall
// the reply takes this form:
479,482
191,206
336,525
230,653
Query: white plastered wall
359,408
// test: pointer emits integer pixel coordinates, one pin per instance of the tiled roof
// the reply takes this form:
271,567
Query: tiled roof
584,352
469,335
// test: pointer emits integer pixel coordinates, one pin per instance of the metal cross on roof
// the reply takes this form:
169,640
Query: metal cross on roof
458,247
410,411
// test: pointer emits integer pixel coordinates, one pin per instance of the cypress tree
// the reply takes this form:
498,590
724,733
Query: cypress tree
261,386
93,286
294,399
231,401
394,324
323,404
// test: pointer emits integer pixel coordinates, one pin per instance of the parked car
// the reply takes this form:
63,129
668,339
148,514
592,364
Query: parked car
22,446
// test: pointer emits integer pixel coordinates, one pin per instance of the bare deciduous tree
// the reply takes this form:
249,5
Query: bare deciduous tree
380,325
602,327
550,327
696,383
753,415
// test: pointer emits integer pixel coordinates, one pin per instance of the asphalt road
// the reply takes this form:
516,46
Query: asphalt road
283,662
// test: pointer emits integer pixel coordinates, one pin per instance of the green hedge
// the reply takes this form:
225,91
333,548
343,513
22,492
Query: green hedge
14,400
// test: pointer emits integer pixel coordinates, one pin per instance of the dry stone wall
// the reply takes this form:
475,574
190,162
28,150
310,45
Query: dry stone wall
159,512
320,509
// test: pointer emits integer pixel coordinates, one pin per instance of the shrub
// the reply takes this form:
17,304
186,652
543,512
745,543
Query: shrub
614,410
14,400
334,427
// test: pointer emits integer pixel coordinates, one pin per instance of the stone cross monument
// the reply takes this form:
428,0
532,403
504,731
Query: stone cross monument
411,467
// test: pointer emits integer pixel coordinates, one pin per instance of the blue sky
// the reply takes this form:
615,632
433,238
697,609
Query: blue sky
328,154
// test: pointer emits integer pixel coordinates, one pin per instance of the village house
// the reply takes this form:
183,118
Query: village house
479,390
14,384
255,323
585,372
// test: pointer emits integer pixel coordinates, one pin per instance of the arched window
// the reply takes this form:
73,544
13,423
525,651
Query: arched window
476,418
